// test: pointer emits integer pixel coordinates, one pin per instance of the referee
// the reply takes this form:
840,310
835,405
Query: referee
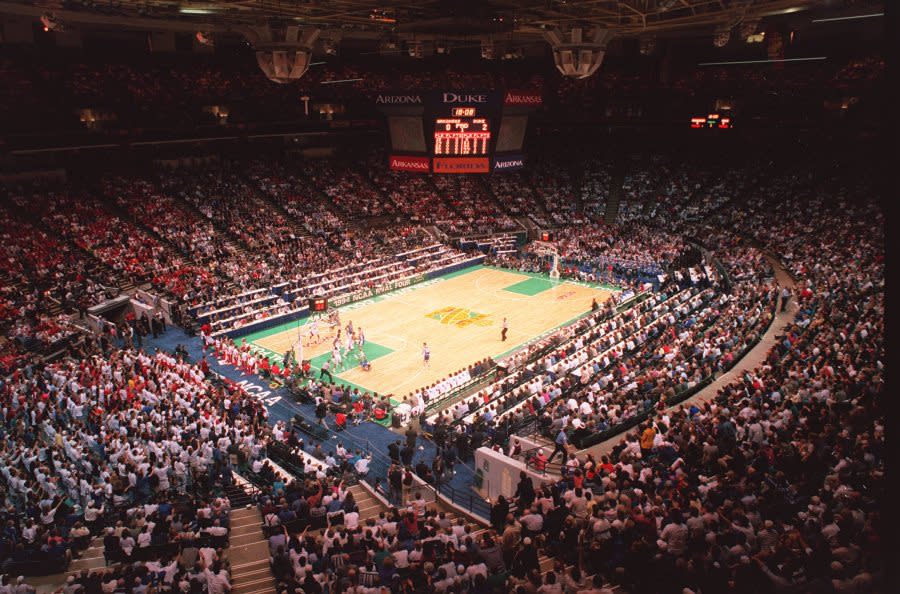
504,330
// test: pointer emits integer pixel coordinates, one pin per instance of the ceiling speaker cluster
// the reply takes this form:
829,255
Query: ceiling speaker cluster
283,53
578,52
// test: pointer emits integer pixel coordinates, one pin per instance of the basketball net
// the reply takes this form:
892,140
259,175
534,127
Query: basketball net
542,248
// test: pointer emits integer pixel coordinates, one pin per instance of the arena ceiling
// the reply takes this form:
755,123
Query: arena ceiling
514,20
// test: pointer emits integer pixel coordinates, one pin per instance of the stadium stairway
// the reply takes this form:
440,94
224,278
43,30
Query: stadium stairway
486,188
296,224
528,223
348,217
440,193
546,562
384,220
615,192
538,203
91,558
35,217
369,506
249,553
436,233
612,207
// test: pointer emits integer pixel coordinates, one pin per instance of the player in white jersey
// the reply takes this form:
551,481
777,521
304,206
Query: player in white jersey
349,343
314,331
336,357
361,338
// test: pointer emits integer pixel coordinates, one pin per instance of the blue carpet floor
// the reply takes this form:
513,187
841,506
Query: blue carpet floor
367,436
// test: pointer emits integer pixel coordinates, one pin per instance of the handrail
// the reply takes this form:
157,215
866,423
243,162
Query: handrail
461,391
637,419
576,386
466,499
532,463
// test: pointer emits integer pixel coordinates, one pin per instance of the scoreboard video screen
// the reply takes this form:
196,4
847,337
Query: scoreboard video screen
463,134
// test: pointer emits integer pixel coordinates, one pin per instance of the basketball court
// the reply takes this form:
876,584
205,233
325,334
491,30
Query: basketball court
459,315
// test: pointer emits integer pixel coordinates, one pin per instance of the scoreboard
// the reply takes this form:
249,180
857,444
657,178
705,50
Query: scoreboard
318,304
712,120
463,141
462,135
457,131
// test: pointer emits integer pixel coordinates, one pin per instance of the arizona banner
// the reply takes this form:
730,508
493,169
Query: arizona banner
509,163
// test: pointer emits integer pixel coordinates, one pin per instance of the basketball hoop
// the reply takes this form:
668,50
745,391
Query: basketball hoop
542,248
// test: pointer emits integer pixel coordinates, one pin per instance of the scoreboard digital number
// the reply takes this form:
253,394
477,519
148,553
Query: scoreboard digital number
712,120
318,304
462,135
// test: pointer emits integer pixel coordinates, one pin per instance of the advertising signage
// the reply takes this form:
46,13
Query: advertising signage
479,99
509,163
532,98
398,99
405,163
461,165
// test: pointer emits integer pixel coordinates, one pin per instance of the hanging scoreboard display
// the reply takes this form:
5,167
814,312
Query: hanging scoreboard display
463,139
462,135
465,131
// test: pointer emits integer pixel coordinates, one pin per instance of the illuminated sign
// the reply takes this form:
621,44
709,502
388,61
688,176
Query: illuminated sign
463,112
464,98
461,136
523,98
404,163
318,304
509,163
461,165
712,120
399,99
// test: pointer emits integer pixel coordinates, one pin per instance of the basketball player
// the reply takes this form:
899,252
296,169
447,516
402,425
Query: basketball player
361,338
349,343
350,327
426,353
336,357
504,330
314,331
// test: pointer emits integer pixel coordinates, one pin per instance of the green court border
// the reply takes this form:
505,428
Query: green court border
277,357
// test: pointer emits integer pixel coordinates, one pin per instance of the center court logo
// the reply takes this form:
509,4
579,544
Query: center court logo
460,317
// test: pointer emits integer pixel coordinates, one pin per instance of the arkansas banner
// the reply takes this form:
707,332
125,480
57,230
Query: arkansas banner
532,98
404,163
